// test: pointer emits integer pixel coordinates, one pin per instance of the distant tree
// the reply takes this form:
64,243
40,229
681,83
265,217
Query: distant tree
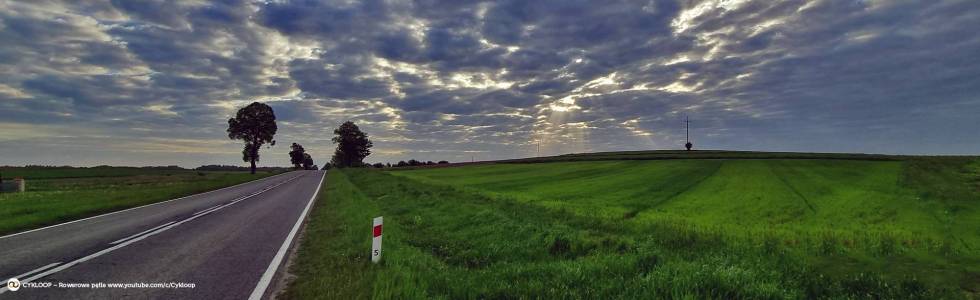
353,146
314,168
429,163
327,166
387,165
443,162
379,165
254,124
308,162
401,163
297,155
413,162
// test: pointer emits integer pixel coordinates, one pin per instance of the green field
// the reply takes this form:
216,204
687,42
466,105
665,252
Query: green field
692,228
56,195
76,172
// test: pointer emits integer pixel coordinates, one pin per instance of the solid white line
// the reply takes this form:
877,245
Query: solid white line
4,288
142,232
271,270
128,209
123,244
37,270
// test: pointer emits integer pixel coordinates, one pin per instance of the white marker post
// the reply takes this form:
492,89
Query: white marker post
376,243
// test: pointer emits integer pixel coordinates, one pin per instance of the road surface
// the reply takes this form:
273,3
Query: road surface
224,244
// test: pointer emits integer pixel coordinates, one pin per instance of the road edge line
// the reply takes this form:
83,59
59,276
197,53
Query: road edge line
270,272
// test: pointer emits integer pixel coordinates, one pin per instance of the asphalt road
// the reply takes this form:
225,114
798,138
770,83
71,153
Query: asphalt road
227,243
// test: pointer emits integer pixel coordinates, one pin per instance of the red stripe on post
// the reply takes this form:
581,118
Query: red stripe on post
377,231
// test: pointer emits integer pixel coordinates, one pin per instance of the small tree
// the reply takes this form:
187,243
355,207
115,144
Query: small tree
443,162
307,162
254,124
326,166
353,146
297,155
401,163
379,165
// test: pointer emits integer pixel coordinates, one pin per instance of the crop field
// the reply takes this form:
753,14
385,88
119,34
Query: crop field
693,228
56,195
75,172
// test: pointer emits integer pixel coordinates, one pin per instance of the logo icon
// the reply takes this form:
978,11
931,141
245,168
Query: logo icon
13,284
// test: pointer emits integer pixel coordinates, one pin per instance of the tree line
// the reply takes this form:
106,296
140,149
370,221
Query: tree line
255,126
409,163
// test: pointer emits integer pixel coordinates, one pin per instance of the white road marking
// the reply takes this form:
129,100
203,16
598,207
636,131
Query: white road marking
209,209
271,270
128,209
36,270
142,232
136,239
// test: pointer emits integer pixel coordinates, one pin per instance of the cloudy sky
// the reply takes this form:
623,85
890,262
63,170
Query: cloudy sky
154,82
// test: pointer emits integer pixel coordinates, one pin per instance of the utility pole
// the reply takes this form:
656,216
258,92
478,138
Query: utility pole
687,122
538,144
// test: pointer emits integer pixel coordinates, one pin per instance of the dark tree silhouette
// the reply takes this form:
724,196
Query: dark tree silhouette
353,146
254,124
296,155
327,166
401,163
308,162
443,162
379,165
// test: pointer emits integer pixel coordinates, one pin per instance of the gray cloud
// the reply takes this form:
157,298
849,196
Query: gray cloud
460,80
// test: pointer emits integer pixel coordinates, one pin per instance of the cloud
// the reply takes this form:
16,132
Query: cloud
456,79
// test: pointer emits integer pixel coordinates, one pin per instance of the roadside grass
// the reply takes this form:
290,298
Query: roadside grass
715,229
52,199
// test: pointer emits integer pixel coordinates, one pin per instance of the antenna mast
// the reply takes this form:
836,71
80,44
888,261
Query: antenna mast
687,122
687,132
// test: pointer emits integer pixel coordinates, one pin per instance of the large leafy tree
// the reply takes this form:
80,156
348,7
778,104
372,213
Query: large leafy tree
254,124
296,155
353,146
